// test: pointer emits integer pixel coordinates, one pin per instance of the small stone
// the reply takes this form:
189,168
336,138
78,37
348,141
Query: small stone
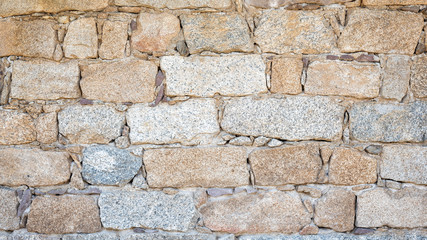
58,54
363,231
419,76
397,72
326,153
366,58
91,236
216,192
332,57
308,205
122,142
47,128
16,128
261,141
309,230
374,149
346,57
192,4
393,184
392,2
81,40
9,220
87,191
241,141
76,180
139,182
151,234
360,188
59,191
313,192
286,188
114,37
170,191
200,197
182,48
286,75
274,143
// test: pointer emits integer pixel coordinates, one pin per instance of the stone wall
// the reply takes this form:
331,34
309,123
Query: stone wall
197,119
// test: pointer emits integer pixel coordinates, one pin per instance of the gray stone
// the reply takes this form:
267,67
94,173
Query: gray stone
397,71
23,234
241,141
374,149
9,219
218,4
216,192
274,143
92,236
167,236
107,165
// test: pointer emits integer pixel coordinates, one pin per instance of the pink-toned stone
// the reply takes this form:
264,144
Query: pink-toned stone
286,75
16,128
392,2
114,38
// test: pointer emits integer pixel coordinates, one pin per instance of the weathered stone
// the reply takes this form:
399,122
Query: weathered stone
193,118
155,210
397,71
351,167
282,31
309,230
124,81
241,141
247,214
286,165
207,76
374,149
196,167
167,236
392,2
389,122
286,75
218,4
360,80
419,76
311,191
316,118
16,128
47,128
90,124
48,80
404,163
261,141
281,3
155,32
214,32
381,27
8,209
336,210
91,236
64,214
114,37
81,40
216,192
401,209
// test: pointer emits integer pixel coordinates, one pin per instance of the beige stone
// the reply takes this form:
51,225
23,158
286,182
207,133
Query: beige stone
336,210
196,167
64,214
155,32
16,128
47,128
309,230
124,81
27,38
218,4
114,37
286,165
81,40
257,213
286,75
392,2
419,76
397,72
8,210
351,167
375,31
33,167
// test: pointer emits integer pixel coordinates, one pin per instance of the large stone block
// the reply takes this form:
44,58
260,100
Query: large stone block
114,38
81,40
218,4
397,72
16,128
286,75
392,2
9,219
419,76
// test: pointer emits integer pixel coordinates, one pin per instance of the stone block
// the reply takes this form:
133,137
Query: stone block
114,38
286,75
16,128
81,40
9,219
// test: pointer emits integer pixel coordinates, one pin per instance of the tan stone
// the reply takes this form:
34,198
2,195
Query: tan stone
361,80
256,213
155,32
419,76
114,38
81,40
336,210
286,165
392,2
64,214
47,128
375,31
196,167
351,167
27,38
397,72
16,128
286,75
124,81
33,167
8,210
218,4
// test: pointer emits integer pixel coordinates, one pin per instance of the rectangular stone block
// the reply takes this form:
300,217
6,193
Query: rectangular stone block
207,76
281,3
293,118
419,76
196,167
114,38
217,4
47,128
286,75
16,128
9,219
392,2
81,40
397,71
168,236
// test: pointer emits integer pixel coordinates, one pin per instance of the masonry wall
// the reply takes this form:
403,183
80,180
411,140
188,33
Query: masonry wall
196,119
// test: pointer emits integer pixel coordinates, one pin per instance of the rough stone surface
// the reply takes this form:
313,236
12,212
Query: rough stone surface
286,75
192,119
389,122
281,3
256,213
207,76
336,210
27,38
286,165
8,210
92,236
397,71
404,163
216,33
47,80
392,2
419,76
196,167
168,236
90,124
282,31
81,40
156,210
123,81
218,4
316,117
64,214
47,128
402,209
16,128
114,37
360,80
381,27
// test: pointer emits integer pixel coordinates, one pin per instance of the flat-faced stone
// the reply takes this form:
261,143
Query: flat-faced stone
392,2
381,27
218,4
47,128
154,210
286,75
114,38
293,118
8,210
123,81
27,38
286,165
81,40
36,79
397,71
360,80
192,119
282,31
207,76
16,128
419,76
167,236
90,124
256,213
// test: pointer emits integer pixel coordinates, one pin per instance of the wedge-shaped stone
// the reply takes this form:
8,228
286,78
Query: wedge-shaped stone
16,128
207,76
392,2
293,118
33,167
286,165
419,76
405,208
9,219
257,213
375,31
81,40
196,167
218,4
114,38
